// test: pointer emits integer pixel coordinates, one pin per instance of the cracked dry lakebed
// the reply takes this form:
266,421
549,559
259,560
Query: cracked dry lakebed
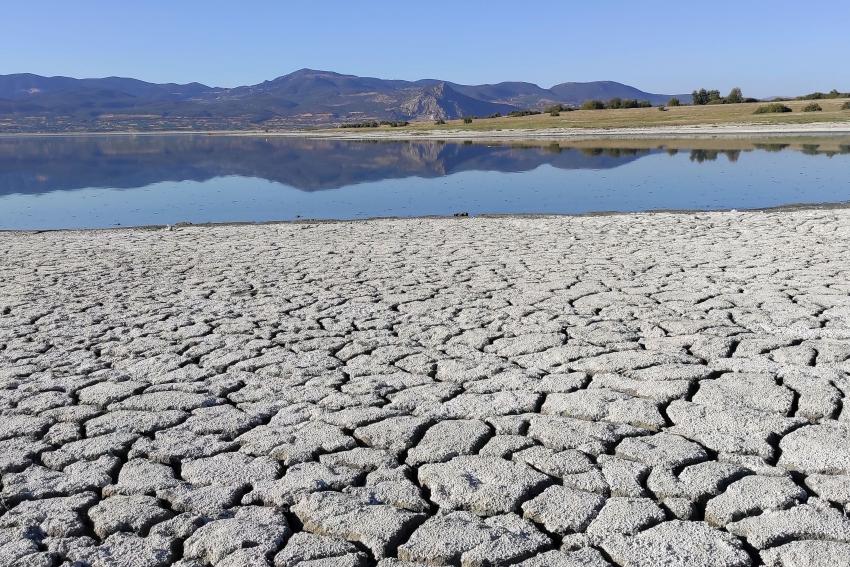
629,390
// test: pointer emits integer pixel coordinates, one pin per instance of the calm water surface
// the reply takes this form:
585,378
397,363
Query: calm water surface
75,182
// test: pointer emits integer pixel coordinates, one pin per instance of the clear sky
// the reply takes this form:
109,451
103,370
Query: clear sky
767,48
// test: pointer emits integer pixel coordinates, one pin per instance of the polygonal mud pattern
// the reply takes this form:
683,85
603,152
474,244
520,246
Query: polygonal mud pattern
551,392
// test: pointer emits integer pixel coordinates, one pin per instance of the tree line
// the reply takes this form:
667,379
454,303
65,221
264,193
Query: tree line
735,96
615,103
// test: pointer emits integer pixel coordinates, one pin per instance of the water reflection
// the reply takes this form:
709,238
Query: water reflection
39,165
73,182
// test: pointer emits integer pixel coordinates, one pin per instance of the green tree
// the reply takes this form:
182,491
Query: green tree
592,105
735,96
700,97
673,102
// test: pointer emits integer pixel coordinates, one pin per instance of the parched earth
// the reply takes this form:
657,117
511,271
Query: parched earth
634,390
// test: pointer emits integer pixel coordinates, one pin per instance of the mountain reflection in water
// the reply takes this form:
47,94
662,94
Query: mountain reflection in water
37,165
103,181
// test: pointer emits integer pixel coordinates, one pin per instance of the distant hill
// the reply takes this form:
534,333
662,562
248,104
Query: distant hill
576,93
304,98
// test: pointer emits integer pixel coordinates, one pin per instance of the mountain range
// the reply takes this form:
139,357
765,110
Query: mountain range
125,162
304,98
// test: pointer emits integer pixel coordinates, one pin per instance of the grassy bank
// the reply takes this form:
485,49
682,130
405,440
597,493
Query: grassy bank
647,117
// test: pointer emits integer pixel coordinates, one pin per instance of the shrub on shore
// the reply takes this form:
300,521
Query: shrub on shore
735,96
819,95
369,124
703,96
554,113
467,120
592,105
439,122
618,102
772,108
518,113
674,102
813,107
558,108
375,124
846,105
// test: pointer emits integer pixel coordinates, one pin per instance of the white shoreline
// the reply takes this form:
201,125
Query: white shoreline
690,131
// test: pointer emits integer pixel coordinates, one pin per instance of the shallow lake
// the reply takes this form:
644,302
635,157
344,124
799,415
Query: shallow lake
105,181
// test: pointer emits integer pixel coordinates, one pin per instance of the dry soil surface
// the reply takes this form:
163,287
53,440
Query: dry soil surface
633,390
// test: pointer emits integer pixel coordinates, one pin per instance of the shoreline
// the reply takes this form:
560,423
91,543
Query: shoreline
779,209
698,131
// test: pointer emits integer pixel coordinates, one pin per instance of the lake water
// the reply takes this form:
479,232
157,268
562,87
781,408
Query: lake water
75,182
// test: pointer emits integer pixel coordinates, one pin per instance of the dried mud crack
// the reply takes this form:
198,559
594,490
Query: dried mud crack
629,390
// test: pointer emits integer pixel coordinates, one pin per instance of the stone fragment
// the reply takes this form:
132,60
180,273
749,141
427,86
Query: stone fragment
629,360
40,482
17,453
104,393
819,448
525,344
678,544
561,433
805,521
505,445
484,406
483,485
203,500
730,430
56,517
173,445
563,510
126,550
555,463
250,528
625,516
661,449
163,401
230,469
624,477
586,557
759,392
659,390
835,488
223,419
134,421
300,480
297,443
377,526
605,405
126,514
753,495
362,458
23,425
465,539
448,439
808,553
394,434
140,476
694,482
309,550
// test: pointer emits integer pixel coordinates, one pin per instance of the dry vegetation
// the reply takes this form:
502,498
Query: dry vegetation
643,117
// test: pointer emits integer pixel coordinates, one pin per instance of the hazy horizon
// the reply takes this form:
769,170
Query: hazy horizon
656,47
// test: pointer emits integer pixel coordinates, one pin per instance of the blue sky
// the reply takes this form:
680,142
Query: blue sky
776,48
